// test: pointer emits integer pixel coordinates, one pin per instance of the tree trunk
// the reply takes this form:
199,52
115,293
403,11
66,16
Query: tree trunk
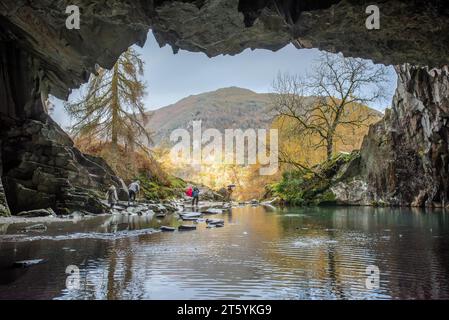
330,147
115,107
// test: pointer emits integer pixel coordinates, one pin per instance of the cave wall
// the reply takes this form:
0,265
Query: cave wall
40,167
405,156
4,208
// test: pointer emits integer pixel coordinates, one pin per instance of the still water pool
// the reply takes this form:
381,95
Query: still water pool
296,253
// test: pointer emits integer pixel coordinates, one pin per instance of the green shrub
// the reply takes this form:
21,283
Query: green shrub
153,189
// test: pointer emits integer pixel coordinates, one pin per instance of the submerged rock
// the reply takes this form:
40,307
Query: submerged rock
36,227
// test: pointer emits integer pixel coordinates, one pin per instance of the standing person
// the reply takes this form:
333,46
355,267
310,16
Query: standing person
134,189
195,196
229,195
111,195
189,191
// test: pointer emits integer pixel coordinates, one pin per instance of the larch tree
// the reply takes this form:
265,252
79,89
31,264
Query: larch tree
112,108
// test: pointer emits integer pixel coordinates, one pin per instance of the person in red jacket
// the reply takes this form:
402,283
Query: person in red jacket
189,191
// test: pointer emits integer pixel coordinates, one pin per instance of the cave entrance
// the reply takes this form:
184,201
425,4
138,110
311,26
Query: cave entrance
228,92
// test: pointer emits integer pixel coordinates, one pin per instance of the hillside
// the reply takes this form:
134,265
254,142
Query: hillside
227,108
241,108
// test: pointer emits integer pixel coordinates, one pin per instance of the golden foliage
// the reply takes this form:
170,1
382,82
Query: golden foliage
128,164
299,149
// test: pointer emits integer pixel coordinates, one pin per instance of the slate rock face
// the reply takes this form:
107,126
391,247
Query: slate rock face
4,209
404,159
42,169
406,155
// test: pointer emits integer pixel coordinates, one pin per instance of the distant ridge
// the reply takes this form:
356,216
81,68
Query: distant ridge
226,108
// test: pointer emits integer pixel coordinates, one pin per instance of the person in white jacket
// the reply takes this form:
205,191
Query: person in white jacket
111,195
133,189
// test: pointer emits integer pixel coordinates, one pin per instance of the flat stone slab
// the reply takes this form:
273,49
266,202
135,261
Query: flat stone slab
191,214
167,229
213,211
189,219
215,221
186,227
218,225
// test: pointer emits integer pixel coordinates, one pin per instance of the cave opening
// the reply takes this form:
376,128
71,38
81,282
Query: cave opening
52,59
225,92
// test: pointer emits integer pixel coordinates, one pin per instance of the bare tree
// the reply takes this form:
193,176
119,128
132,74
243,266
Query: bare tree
321,102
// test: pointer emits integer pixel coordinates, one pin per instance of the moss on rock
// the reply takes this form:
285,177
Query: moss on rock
314,188
153,189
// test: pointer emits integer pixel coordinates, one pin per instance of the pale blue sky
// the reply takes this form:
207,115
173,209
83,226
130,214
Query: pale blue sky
171,77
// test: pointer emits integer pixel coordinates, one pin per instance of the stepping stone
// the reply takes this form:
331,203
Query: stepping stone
189,219
215,221
218,225
190,215
167,229
213,211
185,227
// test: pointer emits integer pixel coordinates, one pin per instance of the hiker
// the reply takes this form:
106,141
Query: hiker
189,192
195,196
134,189
111,195
229,193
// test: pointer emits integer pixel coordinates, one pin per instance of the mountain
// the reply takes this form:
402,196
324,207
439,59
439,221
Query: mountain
237,108
227,108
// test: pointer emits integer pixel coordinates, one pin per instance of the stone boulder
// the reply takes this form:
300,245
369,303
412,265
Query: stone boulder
37,213
44,170
4,209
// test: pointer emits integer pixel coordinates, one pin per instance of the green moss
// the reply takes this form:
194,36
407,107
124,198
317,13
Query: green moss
379,203
313,188
153,189
326,199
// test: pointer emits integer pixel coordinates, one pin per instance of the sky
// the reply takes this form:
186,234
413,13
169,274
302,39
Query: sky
171,77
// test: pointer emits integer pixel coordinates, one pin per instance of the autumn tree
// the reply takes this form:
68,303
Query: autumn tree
325,100
112,108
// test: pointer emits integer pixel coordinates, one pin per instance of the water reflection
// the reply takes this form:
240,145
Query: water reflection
304,253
